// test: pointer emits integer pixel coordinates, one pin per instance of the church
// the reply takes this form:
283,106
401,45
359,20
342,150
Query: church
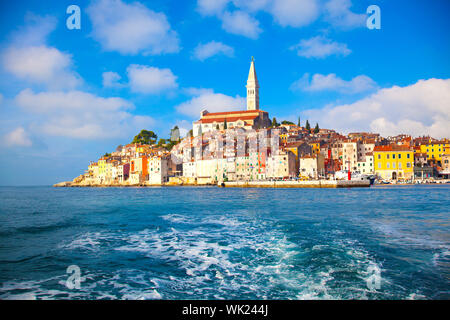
252,118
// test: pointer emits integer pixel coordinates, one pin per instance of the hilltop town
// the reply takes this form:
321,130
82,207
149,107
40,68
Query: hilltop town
248,146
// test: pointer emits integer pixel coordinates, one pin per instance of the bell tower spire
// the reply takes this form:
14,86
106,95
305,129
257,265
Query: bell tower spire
252,88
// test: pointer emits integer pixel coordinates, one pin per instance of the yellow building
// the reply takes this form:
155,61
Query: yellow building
315,147
102,166
394,162
435,150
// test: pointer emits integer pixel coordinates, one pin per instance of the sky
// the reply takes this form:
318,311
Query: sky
67,96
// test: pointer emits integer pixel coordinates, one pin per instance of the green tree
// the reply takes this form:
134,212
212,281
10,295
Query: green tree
107,155
316,128
170,144
145,137
286,122
225,125
190,133
162,142
298,123
274,122
307,126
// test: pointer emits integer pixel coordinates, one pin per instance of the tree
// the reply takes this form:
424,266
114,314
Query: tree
190,133
161,142
316,129
225,125
286,122
274,122
307,126
145,137
107,155
298,123
170,144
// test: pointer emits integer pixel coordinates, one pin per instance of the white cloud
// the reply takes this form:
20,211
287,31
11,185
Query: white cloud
131,28
211,7
236,19
338,14
80,115
17,138
331,82
294,13
212,48
320,47
29,58
213,102
41,65
150,80
241,23
252,5
35,31
111,79
418,109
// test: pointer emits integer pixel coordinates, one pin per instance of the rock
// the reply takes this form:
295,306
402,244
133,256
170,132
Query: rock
63,184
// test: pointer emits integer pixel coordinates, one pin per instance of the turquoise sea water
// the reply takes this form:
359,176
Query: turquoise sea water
214,243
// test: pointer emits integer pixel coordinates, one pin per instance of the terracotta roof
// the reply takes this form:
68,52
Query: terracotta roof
308,157
391,148
229,119
294,144
232,112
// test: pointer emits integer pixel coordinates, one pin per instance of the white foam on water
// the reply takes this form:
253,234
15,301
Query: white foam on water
150,295
232,257
176,218
87,241
416,296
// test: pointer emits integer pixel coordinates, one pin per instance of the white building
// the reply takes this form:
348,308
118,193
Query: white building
158,170
312,166
367,165
281,165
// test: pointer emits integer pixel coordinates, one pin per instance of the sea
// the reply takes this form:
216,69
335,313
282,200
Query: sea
389,242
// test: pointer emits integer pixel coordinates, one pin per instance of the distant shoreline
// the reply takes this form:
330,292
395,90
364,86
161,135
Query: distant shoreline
253,184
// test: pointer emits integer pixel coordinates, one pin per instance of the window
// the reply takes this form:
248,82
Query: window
379,165
407,156
399,155
408,165
393,165
393,156
387,156
399,165
379,156
387,165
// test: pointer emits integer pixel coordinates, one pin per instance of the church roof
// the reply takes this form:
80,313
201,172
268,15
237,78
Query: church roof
228,118
212,114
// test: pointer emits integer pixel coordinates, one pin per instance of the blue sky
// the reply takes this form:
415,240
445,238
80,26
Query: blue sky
69,96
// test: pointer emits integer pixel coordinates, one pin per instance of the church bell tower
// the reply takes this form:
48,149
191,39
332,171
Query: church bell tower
252,88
